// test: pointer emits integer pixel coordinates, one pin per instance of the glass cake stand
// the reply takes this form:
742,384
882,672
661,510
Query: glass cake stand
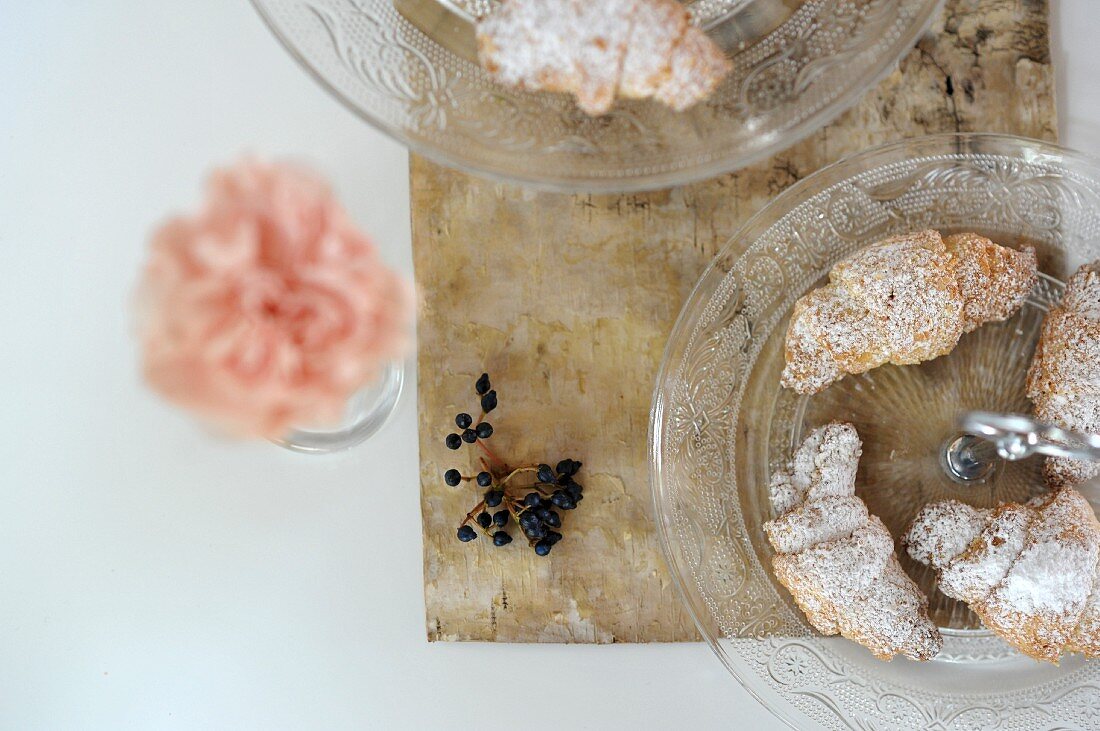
409,67
721,424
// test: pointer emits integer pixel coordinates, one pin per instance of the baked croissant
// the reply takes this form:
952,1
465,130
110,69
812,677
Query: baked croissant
1064,379
837,560
903,300
1029,571
597,49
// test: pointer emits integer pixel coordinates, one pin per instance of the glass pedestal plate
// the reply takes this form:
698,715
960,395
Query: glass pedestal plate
721,425
409,67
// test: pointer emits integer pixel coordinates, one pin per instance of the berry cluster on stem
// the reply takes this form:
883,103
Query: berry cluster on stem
529,496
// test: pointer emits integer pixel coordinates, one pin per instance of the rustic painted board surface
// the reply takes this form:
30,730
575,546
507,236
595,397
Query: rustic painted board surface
567,301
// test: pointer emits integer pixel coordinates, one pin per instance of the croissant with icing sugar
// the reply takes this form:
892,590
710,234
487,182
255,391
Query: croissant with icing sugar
1029,571
1064,379
837,560
600,49
903,300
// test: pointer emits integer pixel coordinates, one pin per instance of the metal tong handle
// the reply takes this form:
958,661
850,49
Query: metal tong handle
1016,437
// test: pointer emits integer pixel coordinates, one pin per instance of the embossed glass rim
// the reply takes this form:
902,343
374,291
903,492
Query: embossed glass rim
639,173
1074,166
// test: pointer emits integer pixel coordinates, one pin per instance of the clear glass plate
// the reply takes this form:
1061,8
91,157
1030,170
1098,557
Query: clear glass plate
409,67
721,424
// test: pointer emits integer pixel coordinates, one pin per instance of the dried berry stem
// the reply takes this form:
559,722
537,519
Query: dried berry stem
501,463
472,516
473,513
516,471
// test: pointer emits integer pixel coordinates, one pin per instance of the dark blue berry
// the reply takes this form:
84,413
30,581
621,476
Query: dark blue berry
535,532
500,538
500,518
545,473
573,490
552,537
493,498
454,441
543,547
532,500
484,519
469,436
484,479
568,467
452,477
553,519
561,499
466,533
464,420
527,519
543,513
484,430
489,401
482,385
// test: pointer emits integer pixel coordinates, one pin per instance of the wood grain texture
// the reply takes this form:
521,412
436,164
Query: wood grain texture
567,301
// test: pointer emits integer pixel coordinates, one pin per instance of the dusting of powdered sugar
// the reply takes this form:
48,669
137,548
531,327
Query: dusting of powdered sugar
824,465
994,280
633,48
942,531
909,284
973,574
838,560
893,616
1053,573
846,566
1082,293
817,521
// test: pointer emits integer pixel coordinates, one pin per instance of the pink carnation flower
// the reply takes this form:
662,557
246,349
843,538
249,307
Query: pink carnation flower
268,309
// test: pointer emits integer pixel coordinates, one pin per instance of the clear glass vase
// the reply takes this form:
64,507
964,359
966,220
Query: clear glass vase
367,410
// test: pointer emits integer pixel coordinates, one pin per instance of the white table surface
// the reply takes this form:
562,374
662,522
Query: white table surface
152,576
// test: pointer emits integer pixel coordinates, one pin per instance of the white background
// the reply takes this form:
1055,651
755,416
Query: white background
151,576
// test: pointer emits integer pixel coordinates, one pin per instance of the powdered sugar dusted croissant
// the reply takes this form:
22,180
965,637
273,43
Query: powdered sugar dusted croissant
597,49
903,300
1028,570
1064,379
837,560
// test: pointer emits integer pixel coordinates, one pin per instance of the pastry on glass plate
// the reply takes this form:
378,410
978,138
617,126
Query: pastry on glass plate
837,560
903,300
1064,379
600,49
1029,570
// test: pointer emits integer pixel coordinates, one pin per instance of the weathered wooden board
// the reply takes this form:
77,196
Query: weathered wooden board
567,301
